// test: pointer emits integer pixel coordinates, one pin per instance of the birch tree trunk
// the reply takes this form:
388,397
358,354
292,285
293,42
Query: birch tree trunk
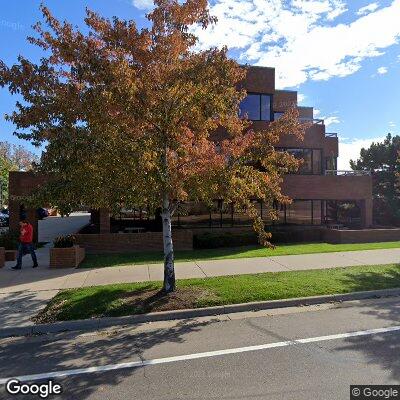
169,269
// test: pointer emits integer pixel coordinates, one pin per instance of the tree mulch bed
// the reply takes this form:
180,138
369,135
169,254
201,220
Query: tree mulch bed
135,302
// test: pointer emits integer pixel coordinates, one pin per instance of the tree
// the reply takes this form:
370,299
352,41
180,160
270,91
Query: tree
13,158
130,116
382,159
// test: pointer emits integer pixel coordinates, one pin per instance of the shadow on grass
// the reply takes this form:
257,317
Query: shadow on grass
117,300
117,260
373,280
379,349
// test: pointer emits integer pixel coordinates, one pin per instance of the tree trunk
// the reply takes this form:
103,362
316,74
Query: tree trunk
169,269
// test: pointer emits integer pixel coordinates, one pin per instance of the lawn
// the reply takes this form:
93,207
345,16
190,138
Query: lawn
117,260
137,298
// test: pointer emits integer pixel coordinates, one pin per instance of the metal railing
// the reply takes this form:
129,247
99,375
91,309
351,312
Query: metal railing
313,120
278,115
331,134
336,172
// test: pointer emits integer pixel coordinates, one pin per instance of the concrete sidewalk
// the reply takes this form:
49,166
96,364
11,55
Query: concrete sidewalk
23,293
43,278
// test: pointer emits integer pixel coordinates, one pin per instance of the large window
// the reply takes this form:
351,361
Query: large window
300,212
311,164
257,107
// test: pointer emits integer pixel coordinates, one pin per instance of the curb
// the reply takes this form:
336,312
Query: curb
99,323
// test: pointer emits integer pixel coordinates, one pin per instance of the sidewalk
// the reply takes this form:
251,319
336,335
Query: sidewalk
43,278
23,293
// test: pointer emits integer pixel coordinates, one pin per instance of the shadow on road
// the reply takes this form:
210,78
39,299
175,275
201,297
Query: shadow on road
41,355
383,349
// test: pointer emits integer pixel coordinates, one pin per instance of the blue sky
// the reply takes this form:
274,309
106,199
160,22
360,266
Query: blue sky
343,56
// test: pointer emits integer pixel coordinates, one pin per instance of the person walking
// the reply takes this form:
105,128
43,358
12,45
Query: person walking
25,244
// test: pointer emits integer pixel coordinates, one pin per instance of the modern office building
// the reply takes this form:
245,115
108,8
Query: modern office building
321,194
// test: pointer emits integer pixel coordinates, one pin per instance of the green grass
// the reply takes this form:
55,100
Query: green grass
117,260
110,300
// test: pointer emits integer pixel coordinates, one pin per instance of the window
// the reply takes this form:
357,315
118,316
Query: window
331,163
311,163
265,107
306,156
299,212
257,107
277,115
317,162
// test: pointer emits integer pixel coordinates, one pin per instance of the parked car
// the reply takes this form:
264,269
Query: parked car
42,213
4,219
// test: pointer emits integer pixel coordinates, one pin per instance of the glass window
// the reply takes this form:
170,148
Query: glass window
306,166
192,214
299,212
317,212
306,156
331,163
265,107
317,162
250,106
257,107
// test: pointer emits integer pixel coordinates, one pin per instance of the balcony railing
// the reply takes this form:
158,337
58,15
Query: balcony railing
314,121
331,134
337,172
278,115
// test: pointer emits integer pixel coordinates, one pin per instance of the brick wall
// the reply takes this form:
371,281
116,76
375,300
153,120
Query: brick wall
23,184
259,80
360,236
284,100
66,258
319,187
132,242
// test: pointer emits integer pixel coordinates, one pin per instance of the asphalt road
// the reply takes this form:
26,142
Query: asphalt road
314,360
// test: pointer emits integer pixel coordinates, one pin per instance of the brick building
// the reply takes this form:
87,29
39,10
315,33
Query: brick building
321,194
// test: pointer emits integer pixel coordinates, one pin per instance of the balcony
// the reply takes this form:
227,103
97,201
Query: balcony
336,172
334,185
314,121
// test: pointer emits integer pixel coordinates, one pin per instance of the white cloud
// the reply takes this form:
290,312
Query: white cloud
367,9
143,4
300,97
382,70
331,120
350,150
300,38
316,112
392,124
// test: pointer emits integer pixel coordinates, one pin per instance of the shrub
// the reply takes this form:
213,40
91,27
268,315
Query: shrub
64,241
234,239
9,240
225,239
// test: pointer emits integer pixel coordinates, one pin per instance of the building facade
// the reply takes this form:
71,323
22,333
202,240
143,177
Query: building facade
321,194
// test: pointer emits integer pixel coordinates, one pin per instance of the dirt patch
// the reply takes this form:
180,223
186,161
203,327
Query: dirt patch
129,303
155,300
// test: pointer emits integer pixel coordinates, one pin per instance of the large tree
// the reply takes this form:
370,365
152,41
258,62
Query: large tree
382,159
130,116
13,158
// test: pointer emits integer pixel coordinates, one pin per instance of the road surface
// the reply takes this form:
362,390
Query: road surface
302,353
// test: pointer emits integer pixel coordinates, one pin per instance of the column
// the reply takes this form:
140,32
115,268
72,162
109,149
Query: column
104,220
366,213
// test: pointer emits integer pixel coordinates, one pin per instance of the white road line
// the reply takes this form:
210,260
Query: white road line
142,363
